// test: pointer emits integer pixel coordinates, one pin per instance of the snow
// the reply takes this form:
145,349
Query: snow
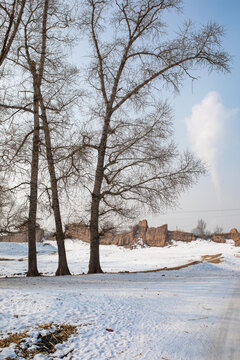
114,258
154,315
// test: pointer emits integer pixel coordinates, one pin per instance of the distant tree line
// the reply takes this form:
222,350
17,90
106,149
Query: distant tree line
201,230
102,134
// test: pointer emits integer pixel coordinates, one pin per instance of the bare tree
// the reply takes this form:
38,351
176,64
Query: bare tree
40,55
129,64
48,72
11,13
218,230
37,71
201,229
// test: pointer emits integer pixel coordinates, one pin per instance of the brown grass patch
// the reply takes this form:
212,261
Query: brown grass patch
214,259
45,326
57,334
12,338
162,269
3,259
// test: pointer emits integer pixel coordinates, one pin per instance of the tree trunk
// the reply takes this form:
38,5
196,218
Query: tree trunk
62,259
94,261
32,254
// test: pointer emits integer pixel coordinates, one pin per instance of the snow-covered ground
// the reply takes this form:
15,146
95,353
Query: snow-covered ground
164,315
114,258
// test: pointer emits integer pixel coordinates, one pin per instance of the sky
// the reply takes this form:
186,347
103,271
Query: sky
207,121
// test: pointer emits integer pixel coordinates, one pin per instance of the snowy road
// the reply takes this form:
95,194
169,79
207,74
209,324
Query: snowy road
227,344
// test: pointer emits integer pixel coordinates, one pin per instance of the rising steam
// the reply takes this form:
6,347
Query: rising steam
205,129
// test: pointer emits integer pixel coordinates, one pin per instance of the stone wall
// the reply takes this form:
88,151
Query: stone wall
156,236
181,236
232,235
235,236
152,236
219,238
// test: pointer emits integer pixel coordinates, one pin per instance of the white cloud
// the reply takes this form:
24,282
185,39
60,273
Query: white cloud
205,129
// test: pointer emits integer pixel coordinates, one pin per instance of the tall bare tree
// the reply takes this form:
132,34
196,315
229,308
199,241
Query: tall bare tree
37,70
49,62
132,57
41,56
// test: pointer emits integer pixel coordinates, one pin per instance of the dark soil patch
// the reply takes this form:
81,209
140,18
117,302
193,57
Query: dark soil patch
46,343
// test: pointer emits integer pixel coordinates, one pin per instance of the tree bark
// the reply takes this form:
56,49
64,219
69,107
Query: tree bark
62,259
32,254
37,79
94,261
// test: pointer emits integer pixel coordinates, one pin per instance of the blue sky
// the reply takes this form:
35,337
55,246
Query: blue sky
220,91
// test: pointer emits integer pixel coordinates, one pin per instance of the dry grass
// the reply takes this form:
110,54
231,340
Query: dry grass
13,338
162,269
57,334
3,259
214,259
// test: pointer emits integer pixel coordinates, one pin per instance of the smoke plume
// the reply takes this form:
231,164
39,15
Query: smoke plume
205,129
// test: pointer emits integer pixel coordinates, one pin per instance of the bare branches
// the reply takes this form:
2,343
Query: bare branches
146,166
164,60
94,37
43,42
11,14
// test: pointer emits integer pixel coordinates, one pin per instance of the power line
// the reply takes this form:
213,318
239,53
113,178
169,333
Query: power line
204,211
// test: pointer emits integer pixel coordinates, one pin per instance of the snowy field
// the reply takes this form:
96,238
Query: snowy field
163,315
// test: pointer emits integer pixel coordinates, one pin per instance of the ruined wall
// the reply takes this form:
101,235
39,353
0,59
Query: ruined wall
21,236
77,231
232,235
181,236
235,236
81,231
219,238
152,236
156,236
